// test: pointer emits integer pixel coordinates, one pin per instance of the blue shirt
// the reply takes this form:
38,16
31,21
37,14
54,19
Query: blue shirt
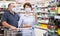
27,20
10,18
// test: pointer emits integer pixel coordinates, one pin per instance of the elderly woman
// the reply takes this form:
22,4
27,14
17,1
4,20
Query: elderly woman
27,21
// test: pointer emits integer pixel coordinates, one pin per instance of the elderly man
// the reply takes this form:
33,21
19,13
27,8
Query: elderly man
10,18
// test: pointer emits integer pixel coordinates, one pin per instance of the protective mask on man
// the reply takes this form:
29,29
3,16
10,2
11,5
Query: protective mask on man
14,9
28,9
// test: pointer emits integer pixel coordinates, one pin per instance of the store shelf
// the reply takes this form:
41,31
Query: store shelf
43,11
10,0
42,6
39,27
43,21
57,17
1,12
42,16
52,30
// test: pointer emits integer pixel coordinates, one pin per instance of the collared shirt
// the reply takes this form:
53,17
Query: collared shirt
10,18
27,20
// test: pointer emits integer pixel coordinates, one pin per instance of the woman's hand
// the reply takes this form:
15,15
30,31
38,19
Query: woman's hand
27,26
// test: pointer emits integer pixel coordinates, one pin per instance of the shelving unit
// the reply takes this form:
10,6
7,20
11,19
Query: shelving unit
1,12
1,31
43,17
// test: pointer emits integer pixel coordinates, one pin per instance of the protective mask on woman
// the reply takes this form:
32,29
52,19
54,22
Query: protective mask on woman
28,9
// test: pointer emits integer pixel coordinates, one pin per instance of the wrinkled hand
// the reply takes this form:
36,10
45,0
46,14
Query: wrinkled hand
13,28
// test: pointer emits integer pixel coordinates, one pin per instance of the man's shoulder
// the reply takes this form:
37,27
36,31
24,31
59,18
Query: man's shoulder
6,12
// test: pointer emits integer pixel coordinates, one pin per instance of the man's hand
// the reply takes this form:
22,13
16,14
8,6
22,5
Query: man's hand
13,28
5,24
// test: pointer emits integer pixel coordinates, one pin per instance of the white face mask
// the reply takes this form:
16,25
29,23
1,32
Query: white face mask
14,9
28,9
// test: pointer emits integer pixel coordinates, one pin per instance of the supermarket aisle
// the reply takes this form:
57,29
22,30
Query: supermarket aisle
39,32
